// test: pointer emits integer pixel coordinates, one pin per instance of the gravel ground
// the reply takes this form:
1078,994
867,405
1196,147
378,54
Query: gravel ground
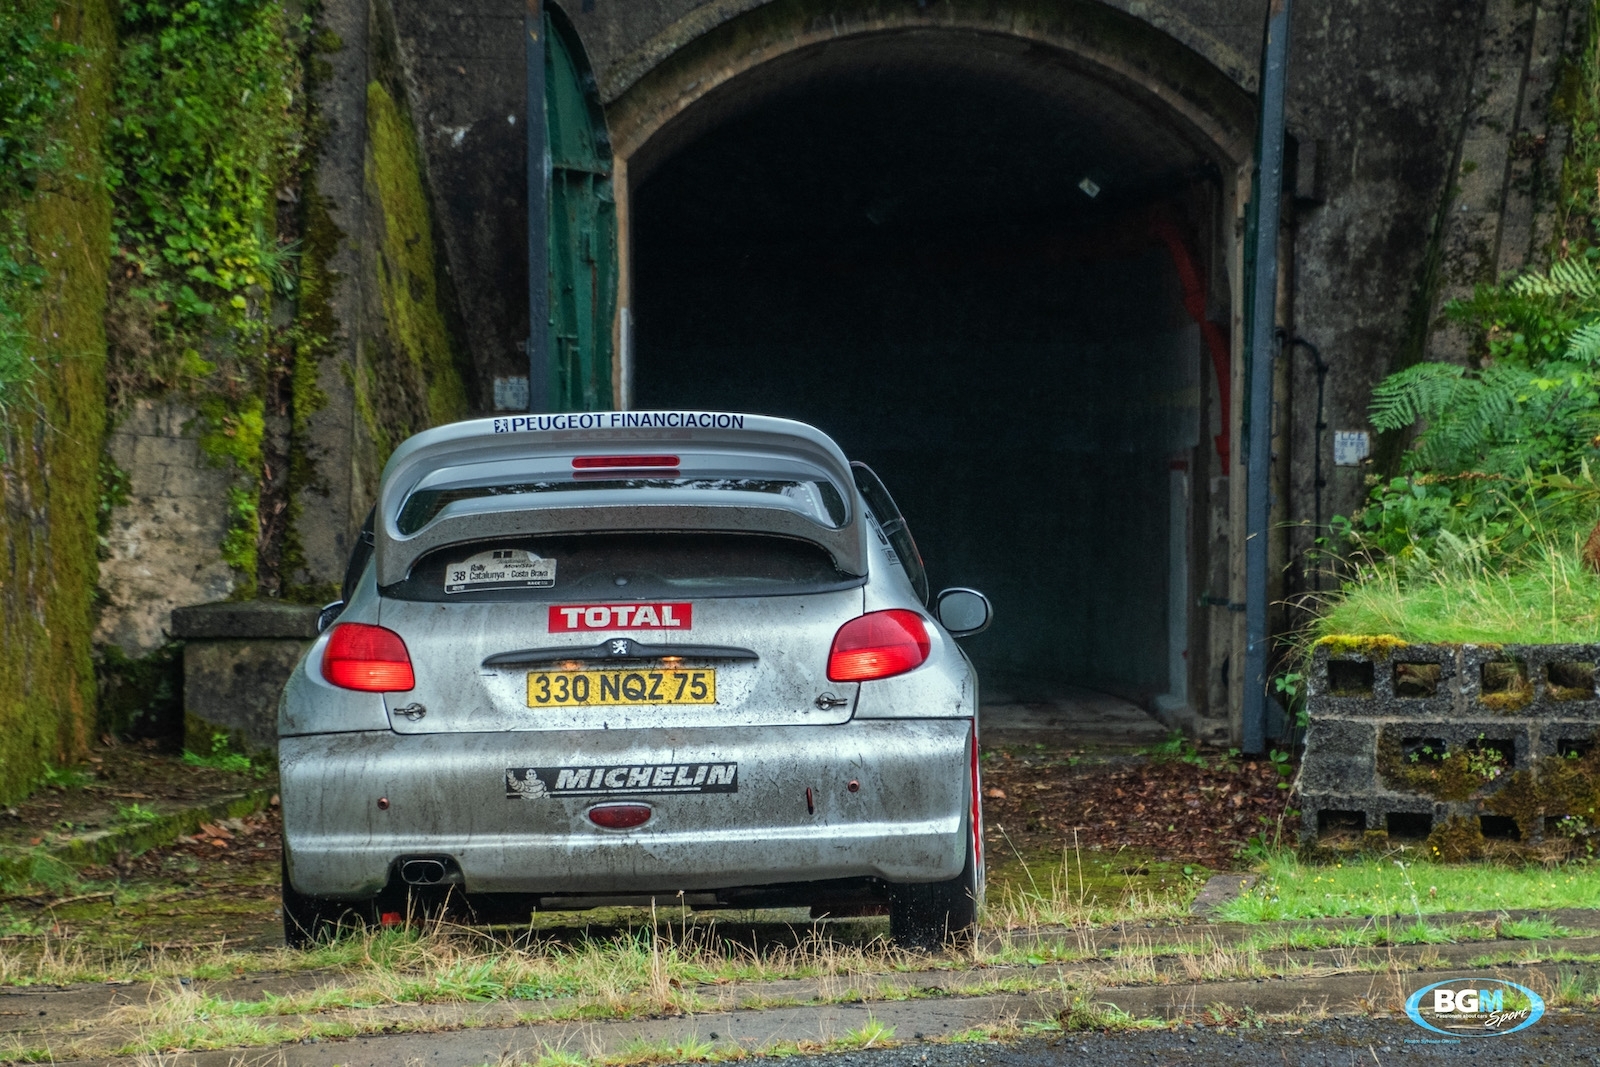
1559,1040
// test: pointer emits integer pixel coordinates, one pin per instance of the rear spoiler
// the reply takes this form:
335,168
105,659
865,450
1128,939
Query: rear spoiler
521,437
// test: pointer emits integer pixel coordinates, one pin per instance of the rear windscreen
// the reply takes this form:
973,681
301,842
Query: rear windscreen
622,566
817,498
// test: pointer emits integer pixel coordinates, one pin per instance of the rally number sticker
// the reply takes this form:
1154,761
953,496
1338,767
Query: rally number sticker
500,568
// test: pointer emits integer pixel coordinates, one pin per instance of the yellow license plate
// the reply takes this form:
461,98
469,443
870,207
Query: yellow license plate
579,689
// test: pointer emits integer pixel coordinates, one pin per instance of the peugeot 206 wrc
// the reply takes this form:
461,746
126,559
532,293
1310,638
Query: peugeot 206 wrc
607,658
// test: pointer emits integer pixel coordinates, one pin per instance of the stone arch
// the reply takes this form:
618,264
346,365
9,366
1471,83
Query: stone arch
1166,111
1195,80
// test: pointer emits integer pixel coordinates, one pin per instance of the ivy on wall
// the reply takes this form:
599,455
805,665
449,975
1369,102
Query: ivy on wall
35,90
207,143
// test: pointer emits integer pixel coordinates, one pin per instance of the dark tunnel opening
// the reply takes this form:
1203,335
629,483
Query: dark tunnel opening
949,266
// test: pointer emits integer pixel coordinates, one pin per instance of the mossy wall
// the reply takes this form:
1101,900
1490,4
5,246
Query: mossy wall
48,567
408,379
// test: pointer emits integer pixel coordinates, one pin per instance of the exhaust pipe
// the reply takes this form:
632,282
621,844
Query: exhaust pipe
422,872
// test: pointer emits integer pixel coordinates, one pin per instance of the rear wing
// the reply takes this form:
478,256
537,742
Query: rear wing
553,448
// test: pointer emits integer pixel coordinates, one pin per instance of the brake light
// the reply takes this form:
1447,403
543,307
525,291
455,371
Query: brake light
367,658
880,644
584,463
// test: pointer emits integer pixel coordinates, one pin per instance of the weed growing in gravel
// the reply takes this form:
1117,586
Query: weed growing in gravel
870,1034
1085,1013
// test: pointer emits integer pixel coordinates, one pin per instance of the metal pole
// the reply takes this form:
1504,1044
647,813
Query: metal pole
538,214
1262,293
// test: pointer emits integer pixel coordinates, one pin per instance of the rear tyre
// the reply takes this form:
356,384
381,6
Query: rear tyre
930,915
309,921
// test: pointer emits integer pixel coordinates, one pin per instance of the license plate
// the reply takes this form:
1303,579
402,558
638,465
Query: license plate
577,689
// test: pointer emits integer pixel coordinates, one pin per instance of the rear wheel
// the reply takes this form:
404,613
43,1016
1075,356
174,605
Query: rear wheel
309,920
930,915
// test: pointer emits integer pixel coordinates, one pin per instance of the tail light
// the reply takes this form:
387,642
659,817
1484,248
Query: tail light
878,645
367,658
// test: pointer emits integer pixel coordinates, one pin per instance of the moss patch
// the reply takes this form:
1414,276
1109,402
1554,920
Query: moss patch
1558,800
1432,768
1456,839
1378,646
415,374
48,560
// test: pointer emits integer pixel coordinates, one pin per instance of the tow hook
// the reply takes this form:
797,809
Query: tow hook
827,702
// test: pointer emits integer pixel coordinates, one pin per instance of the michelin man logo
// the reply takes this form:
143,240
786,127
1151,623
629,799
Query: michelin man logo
526,785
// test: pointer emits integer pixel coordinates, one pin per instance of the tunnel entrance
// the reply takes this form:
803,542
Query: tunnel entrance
960,256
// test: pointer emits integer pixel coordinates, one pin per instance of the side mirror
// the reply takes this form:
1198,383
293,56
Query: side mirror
328,613
963,612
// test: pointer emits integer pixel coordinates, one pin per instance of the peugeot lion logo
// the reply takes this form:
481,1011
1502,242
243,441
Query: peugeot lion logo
619,648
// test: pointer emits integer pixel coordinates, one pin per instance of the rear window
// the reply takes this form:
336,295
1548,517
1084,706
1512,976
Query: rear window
818,498
621,566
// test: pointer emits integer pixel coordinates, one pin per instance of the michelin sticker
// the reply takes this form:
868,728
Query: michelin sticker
500,568
534,783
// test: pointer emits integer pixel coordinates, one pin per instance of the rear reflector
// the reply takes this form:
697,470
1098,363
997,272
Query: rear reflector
585,463
878,645
620,816
367,658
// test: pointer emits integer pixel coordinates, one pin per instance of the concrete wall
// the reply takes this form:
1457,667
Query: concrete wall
164,539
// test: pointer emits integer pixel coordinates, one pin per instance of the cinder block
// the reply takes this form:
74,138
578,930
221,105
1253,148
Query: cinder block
1403,749
1339,757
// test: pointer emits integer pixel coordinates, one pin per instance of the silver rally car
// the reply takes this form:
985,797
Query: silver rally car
607,658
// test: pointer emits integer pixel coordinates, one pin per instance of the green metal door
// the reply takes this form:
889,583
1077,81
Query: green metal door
582,234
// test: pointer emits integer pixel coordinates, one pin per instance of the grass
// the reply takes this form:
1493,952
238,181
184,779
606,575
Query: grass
1071,893
1084,1013
1291,890
455,978
1542,595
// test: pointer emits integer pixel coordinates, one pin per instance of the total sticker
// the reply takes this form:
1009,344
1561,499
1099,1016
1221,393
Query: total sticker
500,568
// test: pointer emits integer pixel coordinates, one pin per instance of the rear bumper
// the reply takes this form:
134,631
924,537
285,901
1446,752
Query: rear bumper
445,795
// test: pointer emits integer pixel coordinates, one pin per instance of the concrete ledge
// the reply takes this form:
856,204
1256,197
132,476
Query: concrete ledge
235,620
236,657
104,846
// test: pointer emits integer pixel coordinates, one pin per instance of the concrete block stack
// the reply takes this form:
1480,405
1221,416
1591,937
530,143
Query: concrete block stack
1458,750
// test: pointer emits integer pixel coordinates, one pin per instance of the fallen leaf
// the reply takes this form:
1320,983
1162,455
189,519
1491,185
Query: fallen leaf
996,793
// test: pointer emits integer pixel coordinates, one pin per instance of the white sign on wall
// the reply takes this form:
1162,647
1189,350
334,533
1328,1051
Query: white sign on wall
1350,447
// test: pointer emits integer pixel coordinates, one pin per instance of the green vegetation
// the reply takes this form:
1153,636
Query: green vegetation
35,92
1469,592
136,815
63,778
1375,885
54,222
415,384
208,137
220,758
207,129
1487,531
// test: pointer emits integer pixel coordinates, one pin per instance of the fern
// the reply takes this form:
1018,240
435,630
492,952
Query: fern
1415,393
1584,344
1492,420
1567,279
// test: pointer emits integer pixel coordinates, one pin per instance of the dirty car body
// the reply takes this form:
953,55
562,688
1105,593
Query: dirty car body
607,658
